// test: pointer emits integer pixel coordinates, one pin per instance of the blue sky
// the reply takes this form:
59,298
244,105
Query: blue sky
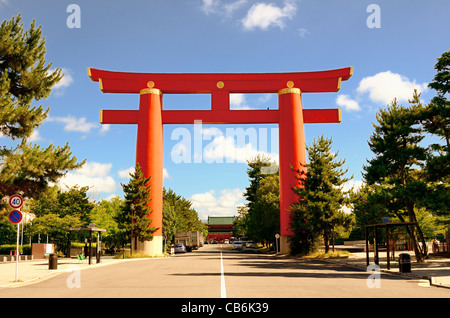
201,36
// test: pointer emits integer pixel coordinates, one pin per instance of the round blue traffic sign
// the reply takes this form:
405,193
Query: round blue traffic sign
15,216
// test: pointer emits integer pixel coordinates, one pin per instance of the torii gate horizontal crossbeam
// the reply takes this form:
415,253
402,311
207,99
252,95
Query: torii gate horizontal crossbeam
310,116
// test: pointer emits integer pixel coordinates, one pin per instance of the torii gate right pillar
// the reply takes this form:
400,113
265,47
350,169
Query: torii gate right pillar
292,150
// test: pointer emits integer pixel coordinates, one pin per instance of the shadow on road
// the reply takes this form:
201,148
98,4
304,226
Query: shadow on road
254,263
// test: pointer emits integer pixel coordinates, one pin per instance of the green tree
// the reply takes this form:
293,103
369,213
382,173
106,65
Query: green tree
398,155
370,206
435,120
240,221
254,174
263,207
170,221
103,215
179,215
134,216
321,198
57,210
24,77
436,115
267,208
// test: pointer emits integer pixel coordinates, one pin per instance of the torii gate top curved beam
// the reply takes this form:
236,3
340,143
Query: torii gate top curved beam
201,83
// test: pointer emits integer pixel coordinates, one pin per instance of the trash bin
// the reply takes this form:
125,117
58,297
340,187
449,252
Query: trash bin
53,261
404,263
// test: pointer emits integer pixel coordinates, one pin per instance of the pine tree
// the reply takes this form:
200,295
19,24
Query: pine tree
134,217
435,120
318,210
398,155
24,77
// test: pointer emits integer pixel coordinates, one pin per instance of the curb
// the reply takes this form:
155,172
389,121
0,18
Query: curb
432,280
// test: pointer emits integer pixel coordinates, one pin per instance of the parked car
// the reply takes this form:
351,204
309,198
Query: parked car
249,244
237,245
180,248
226,241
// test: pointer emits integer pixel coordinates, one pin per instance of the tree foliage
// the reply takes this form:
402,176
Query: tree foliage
104,215
57,210
261,219
398,154
321,198
179,215
135,213
25,77
409,174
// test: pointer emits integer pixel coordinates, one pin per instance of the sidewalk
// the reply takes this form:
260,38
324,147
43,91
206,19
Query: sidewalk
435,269
38,270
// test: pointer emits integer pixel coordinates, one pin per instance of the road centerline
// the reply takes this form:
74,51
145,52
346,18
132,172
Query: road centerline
223,292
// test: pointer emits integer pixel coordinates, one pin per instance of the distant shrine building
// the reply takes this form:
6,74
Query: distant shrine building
220,228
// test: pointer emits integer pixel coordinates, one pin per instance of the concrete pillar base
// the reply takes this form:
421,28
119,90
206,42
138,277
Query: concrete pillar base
285,247
152,248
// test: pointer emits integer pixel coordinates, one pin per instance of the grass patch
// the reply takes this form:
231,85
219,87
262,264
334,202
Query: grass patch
127,255
330,254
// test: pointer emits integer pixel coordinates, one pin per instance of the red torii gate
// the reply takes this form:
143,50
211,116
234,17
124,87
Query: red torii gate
290,116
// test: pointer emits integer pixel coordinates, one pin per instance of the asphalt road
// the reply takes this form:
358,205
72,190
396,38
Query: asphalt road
217,271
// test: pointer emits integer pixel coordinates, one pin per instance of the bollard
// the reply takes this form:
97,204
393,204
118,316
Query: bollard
53,261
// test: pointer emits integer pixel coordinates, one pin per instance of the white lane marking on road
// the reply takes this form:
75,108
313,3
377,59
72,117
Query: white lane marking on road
223,292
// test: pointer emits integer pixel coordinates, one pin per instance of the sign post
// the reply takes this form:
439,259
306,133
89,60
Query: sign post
15,217
277,236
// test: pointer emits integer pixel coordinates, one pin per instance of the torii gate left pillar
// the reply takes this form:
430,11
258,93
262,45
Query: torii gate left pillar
150,119
149,155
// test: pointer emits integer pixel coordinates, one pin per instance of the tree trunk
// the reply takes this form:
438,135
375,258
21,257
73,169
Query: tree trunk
326,242
415,241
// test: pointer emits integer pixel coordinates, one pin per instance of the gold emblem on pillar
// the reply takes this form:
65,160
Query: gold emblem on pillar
150,84
220,84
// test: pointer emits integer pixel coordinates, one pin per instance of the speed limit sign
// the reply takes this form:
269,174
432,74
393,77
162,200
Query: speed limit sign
15,201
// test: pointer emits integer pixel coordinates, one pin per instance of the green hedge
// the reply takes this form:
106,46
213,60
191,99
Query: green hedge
26,248
23,250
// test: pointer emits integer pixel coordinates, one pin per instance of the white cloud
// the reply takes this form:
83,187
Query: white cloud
166,174
210,6
302,32
92,174
262,15
385,86
77,124
104,129
125,174
348,103
216,7
66,81
222,204
234,149
35,136
93,169
355,184
237,101
230,8
211,145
